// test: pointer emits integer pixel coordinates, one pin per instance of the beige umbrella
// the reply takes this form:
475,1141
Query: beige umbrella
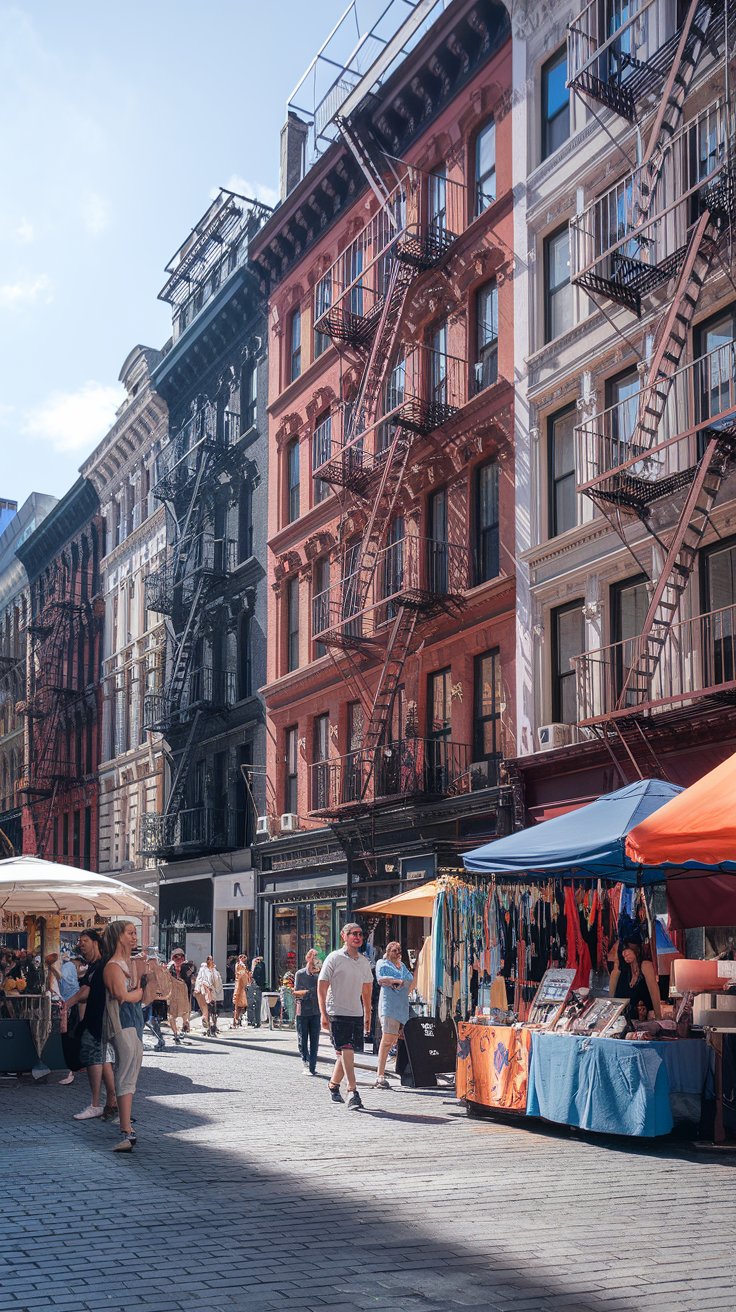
32,887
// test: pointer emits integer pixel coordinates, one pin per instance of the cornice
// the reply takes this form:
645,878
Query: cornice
129,438
148,529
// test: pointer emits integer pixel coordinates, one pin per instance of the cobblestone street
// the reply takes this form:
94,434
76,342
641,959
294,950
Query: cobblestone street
250,1190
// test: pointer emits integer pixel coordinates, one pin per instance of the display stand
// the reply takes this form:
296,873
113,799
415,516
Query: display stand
428,1049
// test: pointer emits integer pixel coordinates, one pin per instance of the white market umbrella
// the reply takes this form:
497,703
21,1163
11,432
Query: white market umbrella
32,887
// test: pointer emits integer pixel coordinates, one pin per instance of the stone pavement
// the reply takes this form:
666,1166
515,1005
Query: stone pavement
250,1190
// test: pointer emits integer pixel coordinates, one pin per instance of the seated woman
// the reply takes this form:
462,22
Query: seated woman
634,978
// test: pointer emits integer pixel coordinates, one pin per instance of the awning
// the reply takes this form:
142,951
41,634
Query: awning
415,902
588,842
32,887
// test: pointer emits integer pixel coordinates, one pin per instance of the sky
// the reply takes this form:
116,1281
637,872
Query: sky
119,119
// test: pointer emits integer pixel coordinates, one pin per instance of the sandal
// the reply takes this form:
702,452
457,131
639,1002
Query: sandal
127,1143
109,1113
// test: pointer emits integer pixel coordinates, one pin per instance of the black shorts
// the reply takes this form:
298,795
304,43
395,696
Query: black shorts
346,1032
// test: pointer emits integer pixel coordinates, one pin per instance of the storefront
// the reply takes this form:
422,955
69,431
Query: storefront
185,917
233,906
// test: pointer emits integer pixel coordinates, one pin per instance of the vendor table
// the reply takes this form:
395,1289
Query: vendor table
29,1033
616,1086
493,1065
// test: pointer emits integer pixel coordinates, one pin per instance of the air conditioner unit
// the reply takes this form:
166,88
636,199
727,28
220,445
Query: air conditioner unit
289,823
554,735
263,826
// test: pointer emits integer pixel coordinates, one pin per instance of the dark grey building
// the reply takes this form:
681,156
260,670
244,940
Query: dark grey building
211,477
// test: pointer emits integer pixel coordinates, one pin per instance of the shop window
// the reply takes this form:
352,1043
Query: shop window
568,639
557,286
292,624
293,482
563,509
291,777
295,345
322,302
487,699
486,521
320,767
486,335
555,103
485,167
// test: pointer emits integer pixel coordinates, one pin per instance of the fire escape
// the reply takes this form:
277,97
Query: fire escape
663,453
391,584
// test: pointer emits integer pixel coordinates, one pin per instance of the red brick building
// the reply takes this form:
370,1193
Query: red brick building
390,688
62,709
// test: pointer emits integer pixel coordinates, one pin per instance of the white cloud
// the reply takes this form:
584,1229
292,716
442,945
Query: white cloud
25,231
75,421
255,190
24,291
96,214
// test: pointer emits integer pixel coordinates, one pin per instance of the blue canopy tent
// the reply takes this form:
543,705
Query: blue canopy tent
587,843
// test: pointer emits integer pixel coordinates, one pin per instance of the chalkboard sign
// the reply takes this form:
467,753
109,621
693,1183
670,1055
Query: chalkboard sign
428,1049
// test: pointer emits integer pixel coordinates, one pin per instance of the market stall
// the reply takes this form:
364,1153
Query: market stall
40,894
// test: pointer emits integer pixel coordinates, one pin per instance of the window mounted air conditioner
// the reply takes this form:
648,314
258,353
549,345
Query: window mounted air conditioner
554,735
263,826
289,823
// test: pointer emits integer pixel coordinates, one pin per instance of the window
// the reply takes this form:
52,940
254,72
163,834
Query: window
437,201
437,547
245,659
563,502
291,778
322,302
716,376
486,334
320,601
438,365
622,398
321,454
392,580
555,103
295,345
557,287
320,767
353,772
292,624
245,521
292,476
629,606
719,604
351,603
354,278
248,395
487,698
485,167
486,520
439,715
568,639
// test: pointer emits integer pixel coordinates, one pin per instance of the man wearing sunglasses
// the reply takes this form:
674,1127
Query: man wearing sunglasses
345,991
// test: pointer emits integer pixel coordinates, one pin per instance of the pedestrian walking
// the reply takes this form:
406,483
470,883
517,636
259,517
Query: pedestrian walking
243,980
344,989
208,991
125,985
307,1012
182,974
90,998
255,991
395,982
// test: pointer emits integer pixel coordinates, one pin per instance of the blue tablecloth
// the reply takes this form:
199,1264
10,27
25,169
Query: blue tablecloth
614,1086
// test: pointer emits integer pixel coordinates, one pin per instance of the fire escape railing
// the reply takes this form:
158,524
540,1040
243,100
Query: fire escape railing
206,556
698,660
197,828
411,766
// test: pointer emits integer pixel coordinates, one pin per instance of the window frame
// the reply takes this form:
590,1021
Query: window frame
322,303
292,624
485,351
293,487
480,576
479,720
560,677
553,479
295,344
479,178
549,66
551,292
291,776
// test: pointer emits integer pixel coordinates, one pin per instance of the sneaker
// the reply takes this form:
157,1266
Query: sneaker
354,1103
381,1084
306,1070
335,1094
89,1113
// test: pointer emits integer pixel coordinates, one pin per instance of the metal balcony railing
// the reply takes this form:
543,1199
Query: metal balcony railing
701,404
436,767
698,660
422,218
202,555
420,573
209,429
423,390
198,828
619,52
633,238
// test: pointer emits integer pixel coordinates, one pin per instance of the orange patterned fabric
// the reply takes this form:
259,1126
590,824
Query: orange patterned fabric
493,1065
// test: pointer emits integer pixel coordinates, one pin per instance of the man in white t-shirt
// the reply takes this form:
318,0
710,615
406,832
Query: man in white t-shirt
345,991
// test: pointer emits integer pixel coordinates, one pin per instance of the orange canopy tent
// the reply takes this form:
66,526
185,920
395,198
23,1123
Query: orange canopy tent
415,902
695,833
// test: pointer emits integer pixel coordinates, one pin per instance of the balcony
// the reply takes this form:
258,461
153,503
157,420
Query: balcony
421,219
198,829
618,53
625,458
205,689
419,573
411,767
203,556
634,237
698,660
422,391
207,432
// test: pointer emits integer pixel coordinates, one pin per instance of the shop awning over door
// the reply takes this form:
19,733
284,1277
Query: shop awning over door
588,842
415,902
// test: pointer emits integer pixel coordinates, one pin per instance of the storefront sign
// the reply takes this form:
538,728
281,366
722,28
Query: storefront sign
235,892
419,867
428,1049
